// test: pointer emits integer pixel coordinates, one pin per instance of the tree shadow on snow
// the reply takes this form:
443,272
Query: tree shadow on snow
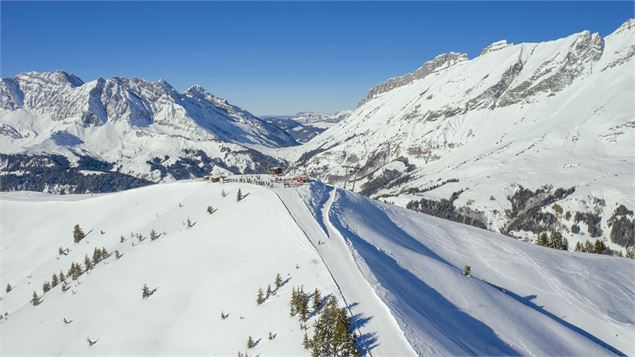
360,320
366,342
527,301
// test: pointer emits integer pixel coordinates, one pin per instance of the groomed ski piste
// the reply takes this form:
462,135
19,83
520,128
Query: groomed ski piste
398,272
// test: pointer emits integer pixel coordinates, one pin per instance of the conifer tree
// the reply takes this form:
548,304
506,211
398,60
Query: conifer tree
295,307
210,209
543,240
189,223
260,298
96,256
60,251
145,292
46,286
588,247
223,316
599,247
153,235
467,270
78,234
250,343
306,343
239,195
54,280
35,300
578,247
278,281
62,277
317,300
269,292
271,336
88,263
8,289
223,193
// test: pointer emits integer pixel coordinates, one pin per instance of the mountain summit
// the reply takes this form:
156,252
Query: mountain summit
523,139
130,126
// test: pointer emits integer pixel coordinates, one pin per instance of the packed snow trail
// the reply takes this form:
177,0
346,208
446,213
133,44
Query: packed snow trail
380,334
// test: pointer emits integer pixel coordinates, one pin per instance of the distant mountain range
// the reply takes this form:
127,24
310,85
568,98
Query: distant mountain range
304,126
137,130
523,139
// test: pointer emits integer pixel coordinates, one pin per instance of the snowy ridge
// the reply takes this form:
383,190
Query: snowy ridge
399,272
556,114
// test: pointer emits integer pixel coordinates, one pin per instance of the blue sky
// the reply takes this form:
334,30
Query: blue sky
276,57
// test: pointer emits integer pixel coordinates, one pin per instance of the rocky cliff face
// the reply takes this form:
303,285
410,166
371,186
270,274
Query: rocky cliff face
537,116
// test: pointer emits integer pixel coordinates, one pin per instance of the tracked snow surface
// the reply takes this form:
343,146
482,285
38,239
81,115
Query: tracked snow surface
399,272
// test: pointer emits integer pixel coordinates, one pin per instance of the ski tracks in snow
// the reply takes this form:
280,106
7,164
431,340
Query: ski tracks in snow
380,334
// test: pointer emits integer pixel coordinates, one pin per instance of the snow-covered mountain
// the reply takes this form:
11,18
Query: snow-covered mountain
132,126
398,273
304,126
523,139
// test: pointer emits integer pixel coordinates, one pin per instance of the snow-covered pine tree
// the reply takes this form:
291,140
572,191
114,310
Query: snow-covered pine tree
54,280
210,209
145,292
260,297
239,195
8,289
306,343
62,277
578,247
153,235
46,286
88,263
35,300
543,240
223,193
467,270
269,292
278,281
78,234
96,256
250,343
317,300
599,247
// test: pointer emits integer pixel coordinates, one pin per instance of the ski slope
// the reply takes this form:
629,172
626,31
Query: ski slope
398,272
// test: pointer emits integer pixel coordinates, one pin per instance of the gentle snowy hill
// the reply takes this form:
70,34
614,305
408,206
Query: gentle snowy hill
524,138
130,126
399,273
305,126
